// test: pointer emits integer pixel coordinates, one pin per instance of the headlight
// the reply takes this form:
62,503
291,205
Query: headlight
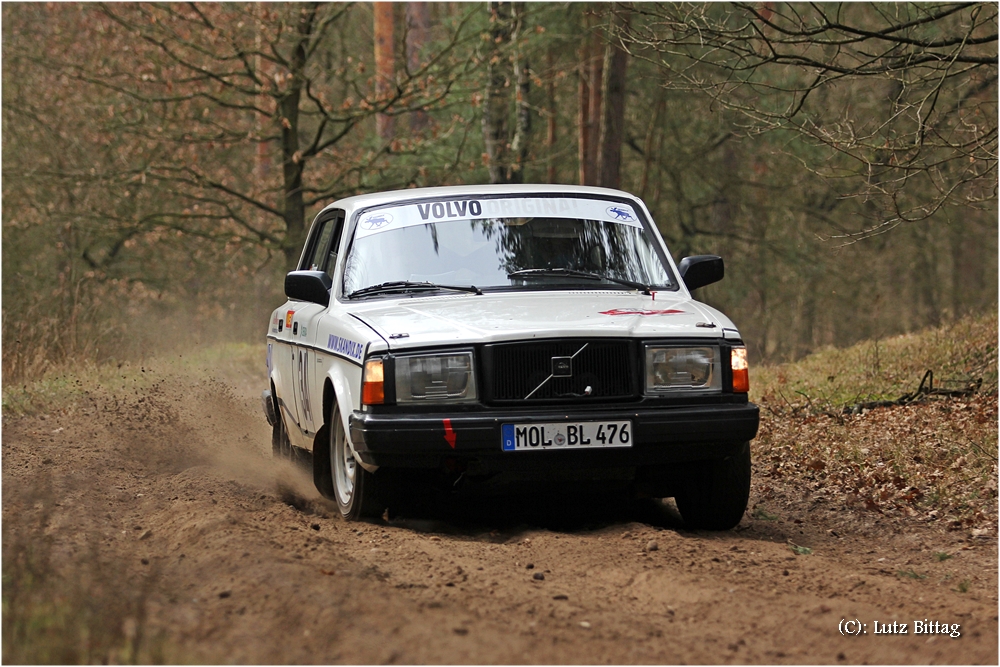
438,378
682,368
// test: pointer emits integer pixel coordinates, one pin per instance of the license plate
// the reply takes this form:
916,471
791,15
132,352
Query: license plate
572,435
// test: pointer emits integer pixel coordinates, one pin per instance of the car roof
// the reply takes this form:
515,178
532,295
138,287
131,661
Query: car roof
378,198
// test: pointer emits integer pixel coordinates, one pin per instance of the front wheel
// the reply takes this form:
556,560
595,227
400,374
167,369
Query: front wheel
353,486
715,496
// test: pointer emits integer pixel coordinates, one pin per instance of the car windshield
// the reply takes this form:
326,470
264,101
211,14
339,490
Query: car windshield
516,243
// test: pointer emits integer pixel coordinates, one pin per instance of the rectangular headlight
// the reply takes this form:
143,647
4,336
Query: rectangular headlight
437,378
670,369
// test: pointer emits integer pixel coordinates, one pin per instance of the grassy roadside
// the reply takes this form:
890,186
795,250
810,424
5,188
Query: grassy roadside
884,368
935,460
58,390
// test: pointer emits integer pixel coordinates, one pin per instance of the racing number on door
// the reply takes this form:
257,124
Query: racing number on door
304,384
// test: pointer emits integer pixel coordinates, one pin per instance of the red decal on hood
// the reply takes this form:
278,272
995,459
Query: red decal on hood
637,311
449,434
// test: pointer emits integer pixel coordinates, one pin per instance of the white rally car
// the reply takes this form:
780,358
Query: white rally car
471,334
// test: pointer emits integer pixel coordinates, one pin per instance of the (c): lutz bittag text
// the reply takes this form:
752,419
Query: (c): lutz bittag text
924,627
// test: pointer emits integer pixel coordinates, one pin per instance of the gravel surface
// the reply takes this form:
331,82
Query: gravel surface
175,484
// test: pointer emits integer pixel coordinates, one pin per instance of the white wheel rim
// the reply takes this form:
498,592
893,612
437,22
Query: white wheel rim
344,467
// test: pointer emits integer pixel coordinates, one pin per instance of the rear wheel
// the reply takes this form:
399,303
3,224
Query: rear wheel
715,495
353,486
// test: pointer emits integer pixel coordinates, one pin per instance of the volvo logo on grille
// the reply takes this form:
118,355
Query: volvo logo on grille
562,367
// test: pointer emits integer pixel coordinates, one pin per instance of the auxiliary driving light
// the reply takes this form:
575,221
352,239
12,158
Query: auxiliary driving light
373,386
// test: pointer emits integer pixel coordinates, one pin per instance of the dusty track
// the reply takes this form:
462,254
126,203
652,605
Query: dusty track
175,482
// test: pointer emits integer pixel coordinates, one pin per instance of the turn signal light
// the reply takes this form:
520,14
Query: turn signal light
741,370
373,386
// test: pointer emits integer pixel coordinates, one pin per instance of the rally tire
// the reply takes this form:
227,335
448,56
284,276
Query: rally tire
353,486
715,495
281,446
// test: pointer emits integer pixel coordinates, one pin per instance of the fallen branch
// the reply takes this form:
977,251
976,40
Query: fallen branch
925,390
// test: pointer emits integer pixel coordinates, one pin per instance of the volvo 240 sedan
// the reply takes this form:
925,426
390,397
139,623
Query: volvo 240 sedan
465,335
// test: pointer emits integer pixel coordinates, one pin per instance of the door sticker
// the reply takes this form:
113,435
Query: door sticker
345,347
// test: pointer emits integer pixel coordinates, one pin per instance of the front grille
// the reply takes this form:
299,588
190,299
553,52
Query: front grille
606,366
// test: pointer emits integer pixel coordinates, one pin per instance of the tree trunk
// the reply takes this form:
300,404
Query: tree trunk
807,325
596,76
612,126
496,135
583,101
264,69
294,211
522,74
652,133
925,277
385,67
550,134
418,25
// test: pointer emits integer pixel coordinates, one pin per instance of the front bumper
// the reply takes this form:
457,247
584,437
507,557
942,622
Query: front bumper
661,435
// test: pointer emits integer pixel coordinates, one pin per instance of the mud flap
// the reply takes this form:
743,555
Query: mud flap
322,475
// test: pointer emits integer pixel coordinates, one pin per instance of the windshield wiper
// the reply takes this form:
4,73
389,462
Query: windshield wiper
409,285
578,274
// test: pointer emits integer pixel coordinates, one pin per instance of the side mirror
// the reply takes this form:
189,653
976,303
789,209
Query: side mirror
311,286
700,270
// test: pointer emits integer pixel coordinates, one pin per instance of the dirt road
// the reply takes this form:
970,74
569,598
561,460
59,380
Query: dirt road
173,484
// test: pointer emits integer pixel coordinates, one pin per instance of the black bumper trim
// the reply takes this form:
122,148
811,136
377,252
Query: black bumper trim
660,436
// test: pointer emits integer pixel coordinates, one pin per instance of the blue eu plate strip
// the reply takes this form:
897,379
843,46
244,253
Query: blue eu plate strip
507,437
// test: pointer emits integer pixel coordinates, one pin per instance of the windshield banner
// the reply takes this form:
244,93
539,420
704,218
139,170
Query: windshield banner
470,208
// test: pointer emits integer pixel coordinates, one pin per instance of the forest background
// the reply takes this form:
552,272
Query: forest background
162,162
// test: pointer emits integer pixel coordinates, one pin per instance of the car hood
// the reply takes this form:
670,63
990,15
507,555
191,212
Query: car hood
470,318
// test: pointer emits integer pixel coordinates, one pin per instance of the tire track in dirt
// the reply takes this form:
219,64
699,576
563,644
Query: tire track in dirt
175,484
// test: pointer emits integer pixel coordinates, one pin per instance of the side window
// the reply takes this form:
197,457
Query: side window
337,225
324,229
314,258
